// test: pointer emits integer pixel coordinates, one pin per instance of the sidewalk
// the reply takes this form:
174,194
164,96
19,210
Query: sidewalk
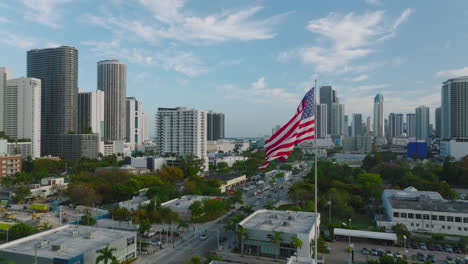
246,259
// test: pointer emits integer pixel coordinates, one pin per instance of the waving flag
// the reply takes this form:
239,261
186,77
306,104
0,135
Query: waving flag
301,127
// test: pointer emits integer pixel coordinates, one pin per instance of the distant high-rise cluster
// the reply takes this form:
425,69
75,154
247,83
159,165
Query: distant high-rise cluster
215,125
379,127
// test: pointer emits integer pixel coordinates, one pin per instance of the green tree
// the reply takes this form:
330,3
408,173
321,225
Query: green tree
194,260
296,242
242,234
21,230
88,219
171,174
145,225
277,239
197,209
44,227
106,255
371,184
83,194
21,193
401,231
386,260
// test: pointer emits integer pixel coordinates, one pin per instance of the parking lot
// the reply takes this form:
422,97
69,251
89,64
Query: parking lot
339,254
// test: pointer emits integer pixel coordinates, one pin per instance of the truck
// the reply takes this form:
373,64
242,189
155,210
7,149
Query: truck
260,182
39,207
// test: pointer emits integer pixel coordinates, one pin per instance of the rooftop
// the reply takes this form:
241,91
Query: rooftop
184,202
73,245
281,221
224,176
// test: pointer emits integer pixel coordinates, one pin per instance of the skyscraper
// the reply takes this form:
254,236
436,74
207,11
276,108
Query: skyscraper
422,123
337,127
23,111
411,125
368,125
182,131
4,76
438,113
215,125
454,109
379,116
328,96
322,115
135,126
395,122
91,113
57,68
356,125
112,79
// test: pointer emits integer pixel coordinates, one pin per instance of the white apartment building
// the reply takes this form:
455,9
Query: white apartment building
4,76
182,131
135,127
221,145
91,112
22,111
426,212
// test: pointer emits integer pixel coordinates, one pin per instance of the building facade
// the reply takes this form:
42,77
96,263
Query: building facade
322,123
215,125
328,97
4,76
379,116
22,111
337,117
395,123
57,68
411,125
10,165
91,113
356,126
454,113
182,131
438,113
422,123
77,146
112,79
135,123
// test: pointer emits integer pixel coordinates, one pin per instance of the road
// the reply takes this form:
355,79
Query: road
191,244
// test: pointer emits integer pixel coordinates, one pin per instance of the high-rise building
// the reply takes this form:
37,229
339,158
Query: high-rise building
369,124
422,123
91,113
322,115
4,76
328,96
135,119
22,111
411,125
438,112
112,79
395,123
356,126
337,127
182,131
454,109
379,125
57,68
215,125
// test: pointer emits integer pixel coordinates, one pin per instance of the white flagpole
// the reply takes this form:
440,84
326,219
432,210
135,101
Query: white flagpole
316,153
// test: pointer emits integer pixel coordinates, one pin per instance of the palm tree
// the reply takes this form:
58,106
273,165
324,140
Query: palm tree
183,225
106,255
242,234
296,242
277,240
45,226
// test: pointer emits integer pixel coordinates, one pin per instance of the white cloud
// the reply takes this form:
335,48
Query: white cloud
453,73
374,2
15,40
350,36
167,11
371,87
231,62
259,92
286,56
4,20
45,12
113,49
360,78
183,62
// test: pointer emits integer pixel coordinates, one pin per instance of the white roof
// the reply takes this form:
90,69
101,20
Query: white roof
365,234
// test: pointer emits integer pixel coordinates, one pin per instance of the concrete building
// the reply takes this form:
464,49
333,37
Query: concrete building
221,145
112,79
91,113
356,126
411,125
358,144
10,165
425,212
395,123
77,146
182,131
438,115
379,116
261,224
115,147
229,160
241,145
23,149
181,205
337,118
328,97
278,175
70,244
137,201
322,119
215,125
135,123
454,113
4,76
57,68
22,111
422,123
229,181
454,148
369,128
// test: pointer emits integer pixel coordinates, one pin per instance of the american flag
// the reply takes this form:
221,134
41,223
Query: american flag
301,127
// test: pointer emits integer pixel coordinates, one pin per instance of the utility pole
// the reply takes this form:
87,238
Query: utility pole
217,235
35,253
60,215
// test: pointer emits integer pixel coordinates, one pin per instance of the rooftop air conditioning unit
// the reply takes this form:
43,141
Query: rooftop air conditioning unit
59,247
75,233
42,243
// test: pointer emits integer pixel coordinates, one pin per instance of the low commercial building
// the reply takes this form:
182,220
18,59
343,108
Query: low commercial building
278,175
229,160
358,144
70,245
425,212
137,201
23,149
181,205
352,160
242,145
10,165
228,180
261,224
221,145
454,148
48,186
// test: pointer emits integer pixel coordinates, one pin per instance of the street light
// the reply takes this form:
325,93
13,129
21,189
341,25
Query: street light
350,249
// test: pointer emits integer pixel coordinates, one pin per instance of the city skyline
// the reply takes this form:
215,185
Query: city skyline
221,70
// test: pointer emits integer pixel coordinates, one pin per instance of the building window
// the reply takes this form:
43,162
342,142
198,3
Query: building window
449,227
417,225
412,224
410,215
434,217
396,214
465,228
441,217
465,219
418,216
459,228
426,217
458,219
427,226
443,227
403,215
449,218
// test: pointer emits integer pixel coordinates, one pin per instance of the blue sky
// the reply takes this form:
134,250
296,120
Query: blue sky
252,60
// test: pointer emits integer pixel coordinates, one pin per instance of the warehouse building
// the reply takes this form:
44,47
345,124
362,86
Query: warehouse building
69,244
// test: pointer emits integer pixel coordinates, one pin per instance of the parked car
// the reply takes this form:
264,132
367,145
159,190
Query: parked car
420,256
422,245
397,254
448,248
364,251
414,245
458,261
457,250
439,247
388,253
380,252
430,258
374,252
431,247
